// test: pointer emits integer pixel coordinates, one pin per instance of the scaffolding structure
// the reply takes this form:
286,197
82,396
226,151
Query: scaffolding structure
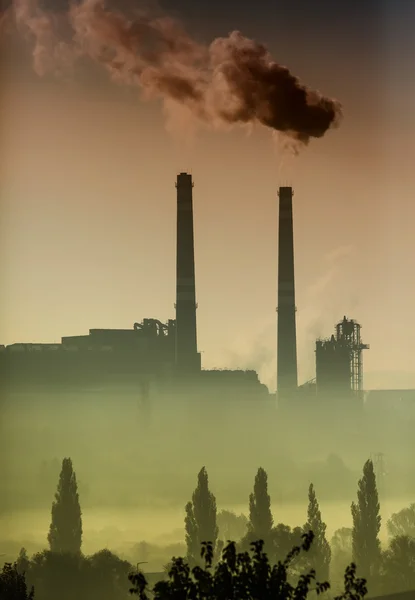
349,332
339,364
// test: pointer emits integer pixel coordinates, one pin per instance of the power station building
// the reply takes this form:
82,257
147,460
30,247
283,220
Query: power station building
168,352
151,351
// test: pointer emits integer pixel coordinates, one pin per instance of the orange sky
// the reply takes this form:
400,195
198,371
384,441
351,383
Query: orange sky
88,221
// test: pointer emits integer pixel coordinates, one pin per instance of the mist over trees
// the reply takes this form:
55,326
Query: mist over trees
341,552
402,522
287,563
63,572
22,563
398,564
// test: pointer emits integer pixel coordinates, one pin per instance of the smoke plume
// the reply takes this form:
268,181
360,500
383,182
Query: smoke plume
232,81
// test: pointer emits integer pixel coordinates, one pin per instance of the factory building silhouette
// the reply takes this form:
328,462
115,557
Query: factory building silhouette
168,352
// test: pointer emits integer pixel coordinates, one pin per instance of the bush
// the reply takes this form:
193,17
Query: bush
243,576
13,584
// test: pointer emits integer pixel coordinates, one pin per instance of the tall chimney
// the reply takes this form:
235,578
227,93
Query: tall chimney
187,357
287,379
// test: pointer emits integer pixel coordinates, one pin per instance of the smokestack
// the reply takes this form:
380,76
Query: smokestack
287,380
187,357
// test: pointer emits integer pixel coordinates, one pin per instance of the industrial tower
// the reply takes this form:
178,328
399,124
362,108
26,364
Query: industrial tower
287,378
187,357
339,362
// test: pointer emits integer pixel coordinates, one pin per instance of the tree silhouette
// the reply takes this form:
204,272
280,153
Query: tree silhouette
59,575
22,562
242,576
366,524
320,552
398,565
260,515
341,542
341,552
69,576
109,573
402,522
13,584
65,533
231,526
283,539
200,520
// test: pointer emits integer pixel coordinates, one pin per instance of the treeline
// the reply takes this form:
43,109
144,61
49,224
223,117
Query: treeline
386,571
64,572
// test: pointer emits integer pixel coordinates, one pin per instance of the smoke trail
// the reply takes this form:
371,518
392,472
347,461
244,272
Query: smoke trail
51,53
328,293
286,149
232,81
256,352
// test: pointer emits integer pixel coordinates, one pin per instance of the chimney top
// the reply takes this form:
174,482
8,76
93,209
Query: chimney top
285,191
184,179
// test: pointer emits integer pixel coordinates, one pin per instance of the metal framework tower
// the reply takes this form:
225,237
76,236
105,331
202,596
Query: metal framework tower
339,361
348,331
287,377
187,357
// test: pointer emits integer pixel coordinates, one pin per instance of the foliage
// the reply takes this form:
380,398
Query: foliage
283,538
231,526
66,575
65,533
341,542
341,553
402,522
366,524
13,584
320,553
110,574
60,575
200,520
22,562
242,576
398,565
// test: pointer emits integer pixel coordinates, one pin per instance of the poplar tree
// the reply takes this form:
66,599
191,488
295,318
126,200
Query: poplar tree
200,521
319,556
366,525
260,515
65,533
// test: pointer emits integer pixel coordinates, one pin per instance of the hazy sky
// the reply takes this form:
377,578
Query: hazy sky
88,197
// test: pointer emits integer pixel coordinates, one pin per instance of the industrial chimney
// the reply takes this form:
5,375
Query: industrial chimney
287,380
187,357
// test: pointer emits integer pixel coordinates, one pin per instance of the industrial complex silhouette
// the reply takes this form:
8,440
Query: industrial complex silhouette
167,352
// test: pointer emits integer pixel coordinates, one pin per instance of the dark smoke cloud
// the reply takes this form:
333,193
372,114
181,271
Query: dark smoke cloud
233,81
